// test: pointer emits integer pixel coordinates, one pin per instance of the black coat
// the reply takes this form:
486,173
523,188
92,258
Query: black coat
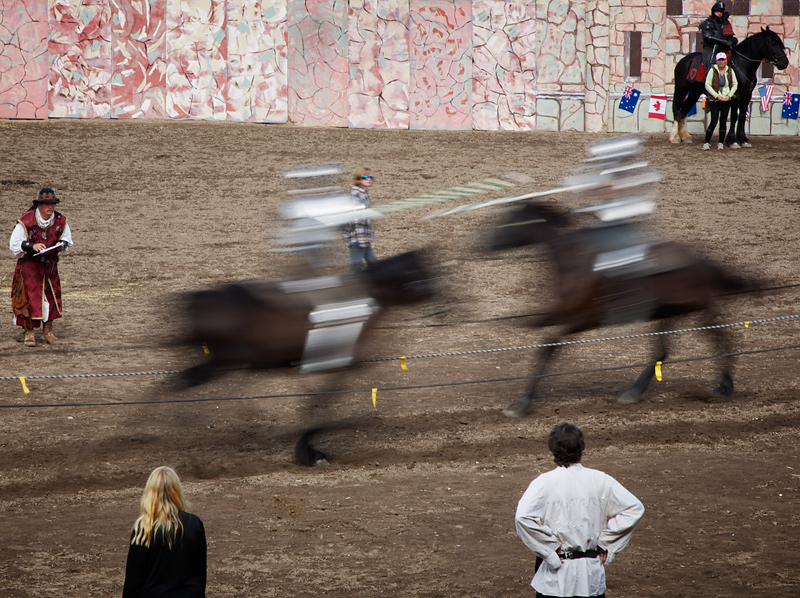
162,572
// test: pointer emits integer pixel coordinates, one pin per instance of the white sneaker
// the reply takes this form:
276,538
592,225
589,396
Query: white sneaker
720,146
706,147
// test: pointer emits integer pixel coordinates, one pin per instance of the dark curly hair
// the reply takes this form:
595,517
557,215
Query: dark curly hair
566,443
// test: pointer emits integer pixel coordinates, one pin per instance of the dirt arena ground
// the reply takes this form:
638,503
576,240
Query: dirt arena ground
420,495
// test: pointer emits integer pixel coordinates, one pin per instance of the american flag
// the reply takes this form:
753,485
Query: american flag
765,91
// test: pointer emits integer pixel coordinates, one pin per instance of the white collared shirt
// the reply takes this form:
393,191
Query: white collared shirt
575,509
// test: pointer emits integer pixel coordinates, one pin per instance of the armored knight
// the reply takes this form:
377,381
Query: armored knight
313,216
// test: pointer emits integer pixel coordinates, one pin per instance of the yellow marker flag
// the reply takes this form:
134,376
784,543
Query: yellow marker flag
747,324
403,363
24,386
658,371
205,349
374,397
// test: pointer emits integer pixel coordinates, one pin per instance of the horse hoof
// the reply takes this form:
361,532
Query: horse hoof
320,462
519,408
735,145
687,141
723,392
747,144
629,397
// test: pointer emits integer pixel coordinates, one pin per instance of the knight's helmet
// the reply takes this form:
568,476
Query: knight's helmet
317,207
616,181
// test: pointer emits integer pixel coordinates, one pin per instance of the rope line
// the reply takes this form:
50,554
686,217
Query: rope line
396,388
746,323
115,374
587,341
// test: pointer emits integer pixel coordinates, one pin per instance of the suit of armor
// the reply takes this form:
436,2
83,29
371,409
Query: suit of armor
717,34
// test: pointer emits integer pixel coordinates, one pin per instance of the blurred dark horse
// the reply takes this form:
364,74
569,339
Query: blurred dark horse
657,281
317,323
745,59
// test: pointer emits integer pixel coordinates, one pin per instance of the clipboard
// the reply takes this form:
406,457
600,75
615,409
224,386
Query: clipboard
56,246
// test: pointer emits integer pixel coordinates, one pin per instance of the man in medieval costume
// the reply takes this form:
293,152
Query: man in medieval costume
40,235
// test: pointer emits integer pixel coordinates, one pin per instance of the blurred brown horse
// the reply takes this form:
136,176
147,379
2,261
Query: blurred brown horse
317,323
663,281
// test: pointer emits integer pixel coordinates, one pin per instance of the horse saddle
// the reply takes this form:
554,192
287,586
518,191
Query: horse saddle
697,70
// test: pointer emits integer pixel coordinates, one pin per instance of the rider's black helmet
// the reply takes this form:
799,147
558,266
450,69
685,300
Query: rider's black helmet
718,6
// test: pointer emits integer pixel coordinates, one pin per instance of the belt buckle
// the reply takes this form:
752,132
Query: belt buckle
568,555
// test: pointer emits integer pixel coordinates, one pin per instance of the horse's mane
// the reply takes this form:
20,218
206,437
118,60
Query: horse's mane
748,43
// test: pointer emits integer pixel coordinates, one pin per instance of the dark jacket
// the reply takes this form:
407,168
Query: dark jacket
162,572
718,31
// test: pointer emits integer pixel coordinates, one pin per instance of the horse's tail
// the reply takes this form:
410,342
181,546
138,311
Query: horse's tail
681,79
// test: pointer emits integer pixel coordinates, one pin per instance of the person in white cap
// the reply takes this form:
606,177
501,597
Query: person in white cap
721,86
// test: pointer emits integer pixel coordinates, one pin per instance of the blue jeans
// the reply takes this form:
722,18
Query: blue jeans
359,253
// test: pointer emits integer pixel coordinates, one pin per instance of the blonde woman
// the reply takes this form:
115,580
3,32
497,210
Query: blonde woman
167,554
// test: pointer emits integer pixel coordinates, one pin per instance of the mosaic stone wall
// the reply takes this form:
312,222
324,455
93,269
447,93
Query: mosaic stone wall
380,64
139,59
24,67
425,64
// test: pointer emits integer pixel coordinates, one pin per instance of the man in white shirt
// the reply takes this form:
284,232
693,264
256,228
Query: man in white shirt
39,236
575,520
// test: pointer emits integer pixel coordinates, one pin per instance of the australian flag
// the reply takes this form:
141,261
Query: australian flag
629,99
791,104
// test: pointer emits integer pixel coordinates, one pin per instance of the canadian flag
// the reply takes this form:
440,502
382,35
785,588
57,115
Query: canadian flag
658,107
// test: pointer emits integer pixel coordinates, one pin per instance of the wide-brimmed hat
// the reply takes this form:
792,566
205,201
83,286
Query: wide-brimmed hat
39,200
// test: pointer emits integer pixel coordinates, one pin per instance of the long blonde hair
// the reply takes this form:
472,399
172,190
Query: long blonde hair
161,502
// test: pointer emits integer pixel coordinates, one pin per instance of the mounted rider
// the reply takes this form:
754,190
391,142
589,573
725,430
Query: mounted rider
717,34
619,185
317,209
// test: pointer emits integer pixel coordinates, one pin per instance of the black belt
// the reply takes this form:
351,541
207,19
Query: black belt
589,554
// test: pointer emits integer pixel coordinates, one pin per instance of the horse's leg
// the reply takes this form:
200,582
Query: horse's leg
201,373
674,134
635,392
741,136
730,138
684,132
304,452
307,455
521,407
678,114
681,111
722,343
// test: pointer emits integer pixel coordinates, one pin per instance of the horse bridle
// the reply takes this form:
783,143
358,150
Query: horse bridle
772,59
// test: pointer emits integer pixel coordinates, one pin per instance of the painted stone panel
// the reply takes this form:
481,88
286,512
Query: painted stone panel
504,65
257,60
139,58
380,70
23,59
80,58
196,69
441,64
318,64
